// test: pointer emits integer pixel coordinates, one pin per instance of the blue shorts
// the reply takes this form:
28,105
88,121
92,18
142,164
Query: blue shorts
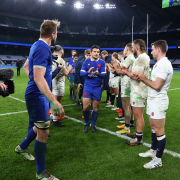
92,92
37,110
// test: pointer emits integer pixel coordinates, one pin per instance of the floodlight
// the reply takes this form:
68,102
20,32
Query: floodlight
78,5
60,3
98,6
110,6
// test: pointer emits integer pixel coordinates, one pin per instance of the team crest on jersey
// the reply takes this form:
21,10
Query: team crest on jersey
152,113
88,64
133,102
99,65
85,94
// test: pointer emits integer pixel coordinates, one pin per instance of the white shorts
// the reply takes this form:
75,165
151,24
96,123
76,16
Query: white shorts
114,82
125,91
137,101
58,87
156,108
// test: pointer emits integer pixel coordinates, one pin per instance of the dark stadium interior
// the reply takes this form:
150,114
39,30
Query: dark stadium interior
107,28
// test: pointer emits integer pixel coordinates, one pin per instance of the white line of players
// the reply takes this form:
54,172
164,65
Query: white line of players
136,89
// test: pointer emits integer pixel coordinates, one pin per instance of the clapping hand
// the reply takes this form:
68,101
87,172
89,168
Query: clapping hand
95,73
139,76
91,70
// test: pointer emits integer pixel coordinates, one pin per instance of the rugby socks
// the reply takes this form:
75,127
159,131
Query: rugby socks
40,152
117,101
154,140
127,126
94,117
80,95
55,118
132,121
91,105
28,139
71,91
108,95
161,142
139,136
86,116
112,98
75,97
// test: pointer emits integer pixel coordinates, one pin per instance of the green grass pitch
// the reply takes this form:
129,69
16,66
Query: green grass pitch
72,155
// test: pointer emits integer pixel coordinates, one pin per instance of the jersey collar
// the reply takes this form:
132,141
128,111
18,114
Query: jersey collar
43,40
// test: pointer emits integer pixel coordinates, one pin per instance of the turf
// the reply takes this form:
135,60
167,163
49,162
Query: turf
72,155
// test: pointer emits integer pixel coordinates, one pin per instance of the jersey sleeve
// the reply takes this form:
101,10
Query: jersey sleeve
127,62
102,74
83,71
41,58
162,72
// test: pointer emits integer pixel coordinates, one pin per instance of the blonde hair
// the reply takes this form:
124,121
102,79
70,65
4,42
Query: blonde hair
48,27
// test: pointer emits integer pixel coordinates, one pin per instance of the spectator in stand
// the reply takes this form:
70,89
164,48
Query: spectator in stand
18,65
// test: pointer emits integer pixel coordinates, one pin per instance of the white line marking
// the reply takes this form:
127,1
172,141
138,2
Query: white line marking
173,89
68,105
12,113
17,99
101,129
25,101
124,137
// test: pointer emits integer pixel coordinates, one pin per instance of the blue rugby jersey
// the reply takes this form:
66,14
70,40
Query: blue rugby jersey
90,80
39,56
73,68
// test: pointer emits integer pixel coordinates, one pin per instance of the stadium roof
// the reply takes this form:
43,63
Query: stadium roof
125,10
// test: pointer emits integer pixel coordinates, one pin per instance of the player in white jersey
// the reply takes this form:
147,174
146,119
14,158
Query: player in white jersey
139,91
157,102
125,89
113,81
58,83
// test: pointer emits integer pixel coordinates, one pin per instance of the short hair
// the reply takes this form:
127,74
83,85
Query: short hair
48,27
95,47
115,54
74,51
162,44
104,52
141,43
121,53
58,48
87,51
75,55
129,46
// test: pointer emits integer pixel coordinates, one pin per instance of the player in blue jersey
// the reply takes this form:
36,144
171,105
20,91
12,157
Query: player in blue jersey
73,86
37,95
93,70
73,52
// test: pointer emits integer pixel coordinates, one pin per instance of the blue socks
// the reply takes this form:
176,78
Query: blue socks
161,142
94,117
86,116
80,94
154,140
40,152
29,138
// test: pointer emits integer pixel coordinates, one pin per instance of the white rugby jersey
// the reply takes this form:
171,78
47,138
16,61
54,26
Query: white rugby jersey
162,69
140,64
